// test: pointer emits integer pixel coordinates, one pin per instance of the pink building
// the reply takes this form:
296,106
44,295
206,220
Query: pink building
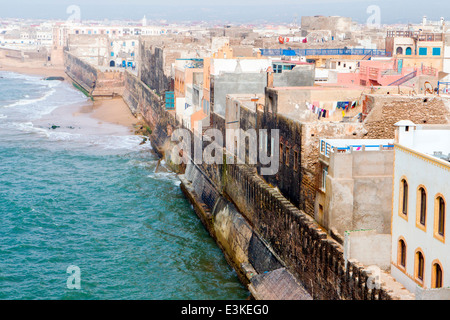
383,73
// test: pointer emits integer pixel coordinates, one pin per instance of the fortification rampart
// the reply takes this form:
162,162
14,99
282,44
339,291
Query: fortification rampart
260,232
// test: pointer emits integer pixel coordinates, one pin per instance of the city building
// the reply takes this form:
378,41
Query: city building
420,224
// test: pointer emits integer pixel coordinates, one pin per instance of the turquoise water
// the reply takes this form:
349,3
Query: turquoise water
86,194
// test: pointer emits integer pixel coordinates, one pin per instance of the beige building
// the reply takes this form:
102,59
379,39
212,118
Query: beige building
417,49
356,185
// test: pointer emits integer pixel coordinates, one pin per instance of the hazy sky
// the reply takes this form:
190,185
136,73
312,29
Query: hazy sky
392,11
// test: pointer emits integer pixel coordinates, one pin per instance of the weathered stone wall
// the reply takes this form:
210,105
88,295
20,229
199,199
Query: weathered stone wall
310,167
358,191
289,175
98,84
152,66
40,54
335,24
233,83
92,48
82,72
300,76
150,106
315,259
381,112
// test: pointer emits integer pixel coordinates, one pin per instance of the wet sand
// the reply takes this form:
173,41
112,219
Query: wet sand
114,111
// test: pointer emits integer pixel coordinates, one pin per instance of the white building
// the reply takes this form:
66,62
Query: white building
123,51
420,258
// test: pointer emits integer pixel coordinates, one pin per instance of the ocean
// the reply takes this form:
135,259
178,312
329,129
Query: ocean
75,191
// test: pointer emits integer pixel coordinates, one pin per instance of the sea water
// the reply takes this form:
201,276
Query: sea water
76,191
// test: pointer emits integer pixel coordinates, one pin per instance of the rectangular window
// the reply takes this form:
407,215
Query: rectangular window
112,54
281,152
404,195
423,51
324,178
423,206
295,160
287,156
421,265
441,219
436,51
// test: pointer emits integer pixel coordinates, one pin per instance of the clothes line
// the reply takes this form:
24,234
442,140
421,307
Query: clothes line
318,107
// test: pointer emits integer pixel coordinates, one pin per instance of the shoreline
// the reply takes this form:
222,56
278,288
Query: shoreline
33,68
114,111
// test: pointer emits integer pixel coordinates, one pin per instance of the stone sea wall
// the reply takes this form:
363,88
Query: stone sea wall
269,242
94,82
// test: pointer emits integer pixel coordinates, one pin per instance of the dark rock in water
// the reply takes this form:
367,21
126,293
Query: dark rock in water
54,127
54,78
70,127
143,141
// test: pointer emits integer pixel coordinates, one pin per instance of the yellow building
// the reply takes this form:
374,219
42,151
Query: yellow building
417,50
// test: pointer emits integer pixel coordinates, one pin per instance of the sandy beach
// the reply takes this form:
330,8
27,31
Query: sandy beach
113,111
35,68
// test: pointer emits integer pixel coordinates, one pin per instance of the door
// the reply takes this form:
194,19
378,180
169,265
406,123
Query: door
400,65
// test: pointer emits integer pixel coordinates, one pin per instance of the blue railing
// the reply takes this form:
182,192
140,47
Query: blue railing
325,52
326,148
404,79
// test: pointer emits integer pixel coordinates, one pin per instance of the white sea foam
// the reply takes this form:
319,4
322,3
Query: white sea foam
34,116
166,176
106,142
24,102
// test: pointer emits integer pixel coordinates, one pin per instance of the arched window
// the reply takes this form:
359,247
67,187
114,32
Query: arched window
408,51
401,255
439,217
399,50
421,207
419,266
437,276
404,197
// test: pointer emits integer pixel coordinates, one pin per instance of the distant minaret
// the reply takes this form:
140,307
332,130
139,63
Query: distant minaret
144,22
